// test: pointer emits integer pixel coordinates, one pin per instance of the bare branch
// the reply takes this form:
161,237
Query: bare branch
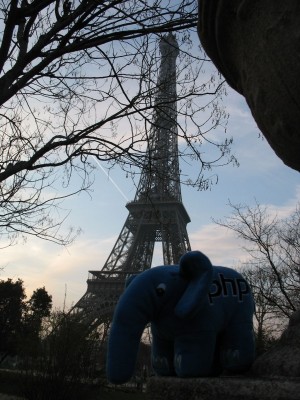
79,79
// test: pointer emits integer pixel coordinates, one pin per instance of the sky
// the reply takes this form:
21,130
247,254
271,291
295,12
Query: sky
261,177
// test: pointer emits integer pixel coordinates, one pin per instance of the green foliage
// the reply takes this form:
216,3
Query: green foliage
20,320
11,383
40,303
58,357
12,307
65,362
38,308
264,340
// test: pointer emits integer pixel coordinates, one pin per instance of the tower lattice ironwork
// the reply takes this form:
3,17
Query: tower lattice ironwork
156,214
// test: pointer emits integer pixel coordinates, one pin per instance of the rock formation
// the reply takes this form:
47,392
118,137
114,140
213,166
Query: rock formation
255,44
283,359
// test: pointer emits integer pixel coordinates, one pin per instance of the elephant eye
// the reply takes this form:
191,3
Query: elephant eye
161,289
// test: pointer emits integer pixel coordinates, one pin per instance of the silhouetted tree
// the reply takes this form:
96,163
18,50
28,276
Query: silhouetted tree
20,320
38,307
12,307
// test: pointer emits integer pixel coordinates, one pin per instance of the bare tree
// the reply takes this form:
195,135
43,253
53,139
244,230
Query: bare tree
266,325
78,80
273,270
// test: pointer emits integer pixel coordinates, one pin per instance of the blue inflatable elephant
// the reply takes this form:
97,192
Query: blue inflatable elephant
201,321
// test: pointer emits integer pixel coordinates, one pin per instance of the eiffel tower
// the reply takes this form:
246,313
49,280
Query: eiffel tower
156,214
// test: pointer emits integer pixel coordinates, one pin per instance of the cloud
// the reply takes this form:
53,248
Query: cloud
39,263
285,210
64,271
223,247
219,244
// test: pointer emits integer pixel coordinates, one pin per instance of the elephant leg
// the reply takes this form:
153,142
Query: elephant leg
162,356
195,355
238,348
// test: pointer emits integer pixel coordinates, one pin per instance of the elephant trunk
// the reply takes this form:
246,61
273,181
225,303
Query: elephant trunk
130,319
133,312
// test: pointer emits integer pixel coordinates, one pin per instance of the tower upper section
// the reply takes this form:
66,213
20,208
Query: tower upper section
166,84
160,178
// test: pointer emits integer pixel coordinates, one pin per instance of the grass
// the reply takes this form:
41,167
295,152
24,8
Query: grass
120,395
11,383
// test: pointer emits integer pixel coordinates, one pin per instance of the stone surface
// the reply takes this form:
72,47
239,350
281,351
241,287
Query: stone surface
284,358
223,388
274,376
255,44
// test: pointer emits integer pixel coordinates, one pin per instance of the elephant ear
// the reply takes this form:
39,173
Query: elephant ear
198,270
